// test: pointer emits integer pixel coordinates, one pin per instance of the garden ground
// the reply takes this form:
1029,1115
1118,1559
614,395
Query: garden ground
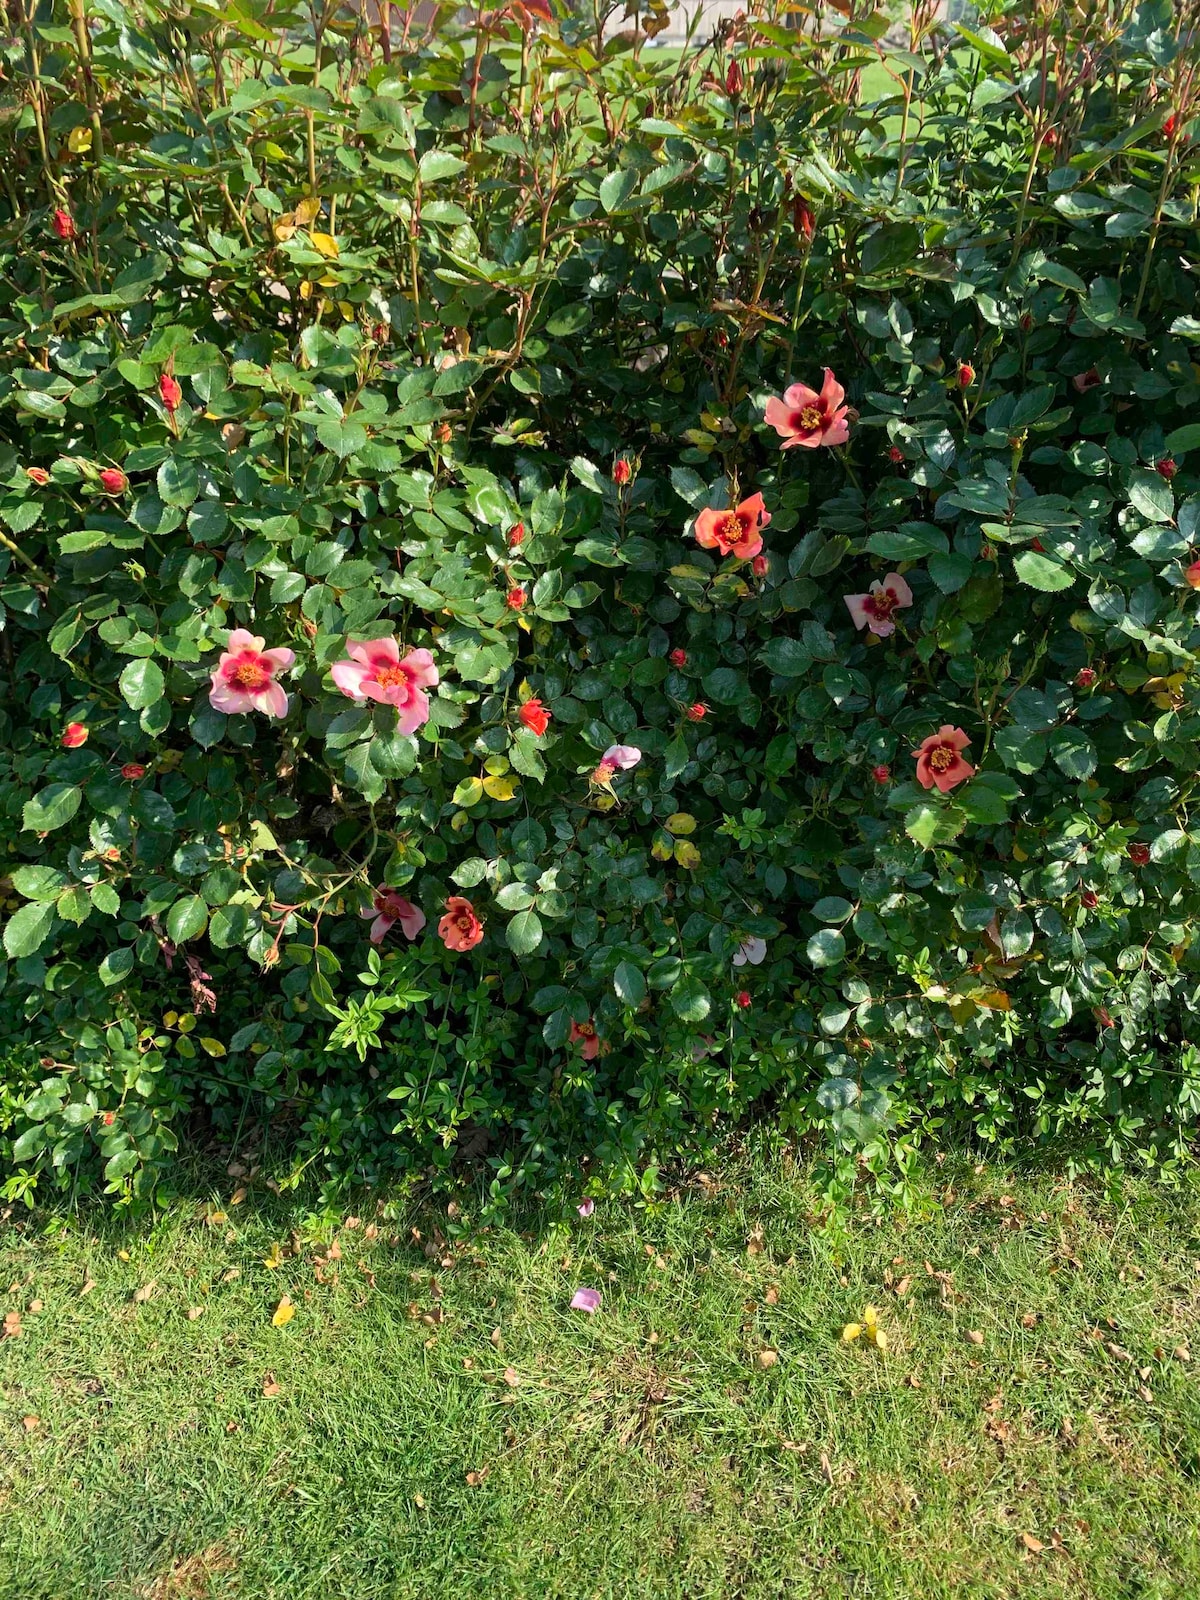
433,1419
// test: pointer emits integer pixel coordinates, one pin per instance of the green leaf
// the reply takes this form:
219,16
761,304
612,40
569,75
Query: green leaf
1073,753
1151,495
833,908
911,541
142,684
187,918
891,246
1184,439
827,947
26,930
629,984
178,482
117,965
617,187
1043,572
524,933
39,883
52,807
690,1000
787,657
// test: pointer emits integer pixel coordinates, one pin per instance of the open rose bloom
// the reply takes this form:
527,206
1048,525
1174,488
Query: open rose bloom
460,928
875,609
806,418
585,1036
377,671
940,761
389,908
736,532
245,677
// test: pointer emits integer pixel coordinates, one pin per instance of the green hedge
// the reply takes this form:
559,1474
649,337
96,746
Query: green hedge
474,343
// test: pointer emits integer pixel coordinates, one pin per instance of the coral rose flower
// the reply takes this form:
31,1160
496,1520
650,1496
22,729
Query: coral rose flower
389,908
244,679
808,419
874,610
515,599
1191,575
535,717
585,1036
940,761
460,928
38,475
736,532
74,734
375,670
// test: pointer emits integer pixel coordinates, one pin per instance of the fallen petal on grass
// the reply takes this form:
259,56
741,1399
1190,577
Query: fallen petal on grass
586,1300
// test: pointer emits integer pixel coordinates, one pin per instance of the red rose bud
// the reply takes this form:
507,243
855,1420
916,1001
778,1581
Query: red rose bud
1050,139
63,224
114,480
987,552
966,374
516,535
678,658
1036,544
170,392
1139,854
74,734
132,771
734,81
1170,123
760,566
515,599
802,217
109,1118
37,475
1088,898
1085,677
1102,1017
535,717
621,472
895,454
1167,467
1192,575
443,433
1026,322
743,999
697,712
882,773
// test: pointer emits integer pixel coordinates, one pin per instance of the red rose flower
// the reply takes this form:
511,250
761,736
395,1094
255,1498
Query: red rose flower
109,1118
882,773
802,217
743,999
113,480
585,1036
63,224
1102,1017
696,712
1088,899
1139,854
535,717
38,475
966,374
895,454
940,760
734,81
1167,467
621,472
516,535
736,532
515,599
132,771
1083,381
1192,575
1170,123
1085,677
760,566
74,734
170,392
460,928
678,658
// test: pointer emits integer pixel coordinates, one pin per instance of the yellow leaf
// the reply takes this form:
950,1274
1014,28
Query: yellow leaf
326,244
212,1047
1019,854
500,788
170,1018
661,848
284,227
284,1312
880,1339
275,1258
187,1023
305,290
79,141
308,210
851,1332
994,1000
962,1009
687,855
496,766
680,822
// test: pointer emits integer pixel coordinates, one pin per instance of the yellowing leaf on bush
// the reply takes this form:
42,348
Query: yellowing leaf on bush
994,1000
284,1312
496,766
662,848
500,788
308,210
680,822
212,1047
469,793
326,244
79,141
284,227
687,855
962,1009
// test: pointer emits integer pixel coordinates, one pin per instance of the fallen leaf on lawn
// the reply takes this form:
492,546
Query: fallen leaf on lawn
30,1423
1029,1320
142,1294
1182,1353
767,1358
231,1426
902,1288
419,1501
511,1377
476,1478
586,1300
194,1312
1146,1394
495,1336
269,1386
772,1295
238,1195
274,1259
12,1325
216,1218
867,1329
974,1336
826,1468
1032,1543
122,1255
35,1305
89,1285
284,1312
230,1274
754,1243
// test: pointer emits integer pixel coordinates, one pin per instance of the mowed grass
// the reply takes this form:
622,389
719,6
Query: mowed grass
435,1421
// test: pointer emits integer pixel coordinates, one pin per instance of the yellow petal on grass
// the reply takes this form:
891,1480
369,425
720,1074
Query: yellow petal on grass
275,1258
851,1331
284,1312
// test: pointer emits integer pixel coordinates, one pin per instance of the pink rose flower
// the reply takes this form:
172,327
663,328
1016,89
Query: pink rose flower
73,735
460,928
752,951
586,1207
245,677
376,671
622,756
808,419
585,1036
735,532
940,761
874,610
388,908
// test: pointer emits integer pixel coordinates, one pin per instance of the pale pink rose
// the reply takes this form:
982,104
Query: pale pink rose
586,1207
375,670
622,756
245,677
751,950
875,609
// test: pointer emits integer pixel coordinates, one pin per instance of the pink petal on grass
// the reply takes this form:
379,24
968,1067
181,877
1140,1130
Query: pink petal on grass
585,1209
586,1300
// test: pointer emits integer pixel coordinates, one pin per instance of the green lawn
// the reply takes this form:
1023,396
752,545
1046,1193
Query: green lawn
446,1426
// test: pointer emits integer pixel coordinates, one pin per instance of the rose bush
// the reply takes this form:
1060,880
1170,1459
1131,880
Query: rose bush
490,516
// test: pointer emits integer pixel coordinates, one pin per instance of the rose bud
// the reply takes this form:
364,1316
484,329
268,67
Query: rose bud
63,224
678,658
114,480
